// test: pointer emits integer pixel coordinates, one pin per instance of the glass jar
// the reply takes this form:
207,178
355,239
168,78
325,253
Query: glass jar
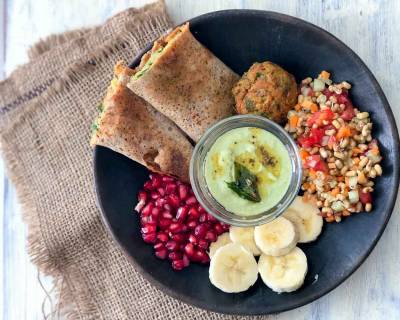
198,180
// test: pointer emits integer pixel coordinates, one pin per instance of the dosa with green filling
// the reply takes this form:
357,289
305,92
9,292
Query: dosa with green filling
183,80
129,125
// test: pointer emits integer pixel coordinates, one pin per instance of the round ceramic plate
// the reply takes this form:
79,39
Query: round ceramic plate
239,38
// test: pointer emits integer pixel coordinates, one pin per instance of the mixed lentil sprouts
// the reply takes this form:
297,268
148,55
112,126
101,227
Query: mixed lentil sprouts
340,157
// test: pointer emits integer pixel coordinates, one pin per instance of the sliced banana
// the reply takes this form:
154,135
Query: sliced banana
285,273
222,240
277,237
306,219
233,268
245,237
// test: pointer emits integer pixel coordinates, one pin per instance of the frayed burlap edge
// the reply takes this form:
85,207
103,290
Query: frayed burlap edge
54,40
72,301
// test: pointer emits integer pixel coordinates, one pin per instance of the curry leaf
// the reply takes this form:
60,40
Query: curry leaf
245,184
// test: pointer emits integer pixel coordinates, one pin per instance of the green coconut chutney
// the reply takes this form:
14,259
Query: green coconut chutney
263,158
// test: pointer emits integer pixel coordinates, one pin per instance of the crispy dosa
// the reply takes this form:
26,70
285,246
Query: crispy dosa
183,80
129,125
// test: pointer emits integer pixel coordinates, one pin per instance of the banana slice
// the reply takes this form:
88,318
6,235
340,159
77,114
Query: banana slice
306,219
222,240
285,273
245,237
276,238
233,268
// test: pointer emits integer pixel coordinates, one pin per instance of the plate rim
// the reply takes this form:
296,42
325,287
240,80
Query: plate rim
396,172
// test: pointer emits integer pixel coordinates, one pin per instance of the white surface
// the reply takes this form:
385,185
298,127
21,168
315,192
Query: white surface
370,28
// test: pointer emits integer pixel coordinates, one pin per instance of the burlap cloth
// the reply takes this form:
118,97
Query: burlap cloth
46,108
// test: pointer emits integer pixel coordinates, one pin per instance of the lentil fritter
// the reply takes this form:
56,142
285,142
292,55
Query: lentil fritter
267,90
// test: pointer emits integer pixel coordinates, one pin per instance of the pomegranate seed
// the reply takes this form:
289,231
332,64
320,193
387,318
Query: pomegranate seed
160,202
149,228
139,206
155,212
178,265
189,249
176,227
180,237
173,200
144,220
211,236
156,181
167,215
154,195
142,197
149,237
185,260
203,217
167,179
200,256
158,246
171,245
201,230
148,220
192,224
147,209
225,226
148,186
175,255
185,228
170,188
191,200
192,239
161,191
203,244
181,213
206,259
167,206
193,213
162,236
161,254
218,228
183,192
164,223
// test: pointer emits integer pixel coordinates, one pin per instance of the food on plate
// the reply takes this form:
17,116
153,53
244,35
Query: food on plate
267,90
183,80
245,237
277,237
129,125
247,170
233,268
173,221
340,157
282,270
284,273
306,218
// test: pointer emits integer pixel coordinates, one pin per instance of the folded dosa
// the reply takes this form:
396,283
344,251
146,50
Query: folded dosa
183,80
129,125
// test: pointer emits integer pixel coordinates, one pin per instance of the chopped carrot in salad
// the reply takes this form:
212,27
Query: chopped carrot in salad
340,158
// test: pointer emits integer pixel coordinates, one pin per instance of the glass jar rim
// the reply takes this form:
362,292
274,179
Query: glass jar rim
199,185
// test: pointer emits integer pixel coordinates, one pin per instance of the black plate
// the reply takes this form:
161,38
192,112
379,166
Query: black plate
239,38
